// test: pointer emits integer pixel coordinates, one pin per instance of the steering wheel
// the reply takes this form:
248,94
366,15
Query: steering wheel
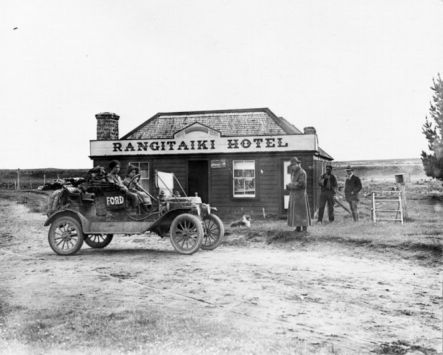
135,179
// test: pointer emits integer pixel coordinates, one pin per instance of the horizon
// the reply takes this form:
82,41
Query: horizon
333,161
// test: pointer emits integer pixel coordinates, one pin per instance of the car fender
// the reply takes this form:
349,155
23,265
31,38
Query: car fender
68,212
166,219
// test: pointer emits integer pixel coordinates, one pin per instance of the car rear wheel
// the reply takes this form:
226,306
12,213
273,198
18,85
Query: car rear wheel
65,235
213,232
98,241
186,233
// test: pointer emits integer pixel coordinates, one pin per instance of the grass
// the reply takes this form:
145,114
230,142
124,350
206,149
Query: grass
35,200
137,332
420,236
409,236
402,347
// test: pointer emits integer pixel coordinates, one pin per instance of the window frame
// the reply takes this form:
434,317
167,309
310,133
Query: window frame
234,178
138,164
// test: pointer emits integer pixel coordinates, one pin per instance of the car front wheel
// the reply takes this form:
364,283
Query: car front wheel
186,233
213,232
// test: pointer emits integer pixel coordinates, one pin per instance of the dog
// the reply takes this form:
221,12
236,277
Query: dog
245,221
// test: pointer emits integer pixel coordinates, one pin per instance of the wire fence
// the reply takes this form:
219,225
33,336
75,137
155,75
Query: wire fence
32,179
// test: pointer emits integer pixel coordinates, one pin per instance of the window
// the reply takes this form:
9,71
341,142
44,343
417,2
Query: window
143,170
244,178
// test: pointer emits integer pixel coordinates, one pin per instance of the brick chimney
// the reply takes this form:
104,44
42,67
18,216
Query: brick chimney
107,126
309,130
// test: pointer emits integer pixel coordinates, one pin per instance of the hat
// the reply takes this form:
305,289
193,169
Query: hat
328,166
295,160
349,168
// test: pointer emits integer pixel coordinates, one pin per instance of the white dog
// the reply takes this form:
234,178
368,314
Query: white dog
245,221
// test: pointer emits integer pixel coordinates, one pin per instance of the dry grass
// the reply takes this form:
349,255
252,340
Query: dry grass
136,332
35,200
421,235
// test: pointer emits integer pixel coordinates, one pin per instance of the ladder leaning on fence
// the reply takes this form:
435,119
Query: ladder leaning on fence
385,204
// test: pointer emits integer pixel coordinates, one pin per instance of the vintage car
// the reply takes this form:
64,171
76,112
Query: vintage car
96,211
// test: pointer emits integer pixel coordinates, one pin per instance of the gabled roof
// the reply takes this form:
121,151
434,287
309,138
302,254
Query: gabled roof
230,123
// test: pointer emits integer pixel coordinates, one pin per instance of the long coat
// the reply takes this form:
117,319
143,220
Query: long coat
298,209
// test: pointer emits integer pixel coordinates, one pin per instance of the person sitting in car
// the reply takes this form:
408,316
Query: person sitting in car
134,187
114,178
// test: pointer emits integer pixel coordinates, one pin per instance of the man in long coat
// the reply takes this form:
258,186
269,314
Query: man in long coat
352,188
298,209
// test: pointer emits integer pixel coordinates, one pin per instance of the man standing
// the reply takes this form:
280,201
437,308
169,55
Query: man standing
352,188
298,209
328,184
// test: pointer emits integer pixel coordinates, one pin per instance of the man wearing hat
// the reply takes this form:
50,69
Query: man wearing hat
352,188
298,209
328,184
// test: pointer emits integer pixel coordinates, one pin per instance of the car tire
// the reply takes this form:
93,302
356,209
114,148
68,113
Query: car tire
186,233
65,235
98,241
214,232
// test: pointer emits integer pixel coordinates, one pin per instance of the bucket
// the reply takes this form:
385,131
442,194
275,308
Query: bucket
399,179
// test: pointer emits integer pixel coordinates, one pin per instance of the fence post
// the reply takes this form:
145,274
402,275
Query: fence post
404,202
17,187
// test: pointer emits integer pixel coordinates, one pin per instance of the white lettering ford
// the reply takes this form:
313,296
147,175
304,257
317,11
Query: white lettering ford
114,200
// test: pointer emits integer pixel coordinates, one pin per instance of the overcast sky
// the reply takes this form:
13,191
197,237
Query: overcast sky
359,71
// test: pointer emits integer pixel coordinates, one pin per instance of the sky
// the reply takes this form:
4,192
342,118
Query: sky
359,71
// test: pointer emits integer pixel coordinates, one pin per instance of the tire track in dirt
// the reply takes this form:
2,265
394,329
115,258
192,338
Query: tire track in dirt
320,336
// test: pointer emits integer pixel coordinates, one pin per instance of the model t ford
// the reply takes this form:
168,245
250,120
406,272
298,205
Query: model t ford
97,210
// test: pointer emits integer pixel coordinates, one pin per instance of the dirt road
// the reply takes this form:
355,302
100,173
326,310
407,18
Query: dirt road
139,296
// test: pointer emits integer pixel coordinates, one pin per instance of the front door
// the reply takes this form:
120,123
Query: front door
286,180
198,179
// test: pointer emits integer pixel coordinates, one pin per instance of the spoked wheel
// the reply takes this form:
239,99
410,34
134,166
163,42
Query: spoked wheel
186,233
213,232
98,241
65,235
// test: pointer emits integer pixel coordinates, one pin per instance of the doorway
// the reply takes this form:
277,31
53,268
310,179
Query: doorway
198,179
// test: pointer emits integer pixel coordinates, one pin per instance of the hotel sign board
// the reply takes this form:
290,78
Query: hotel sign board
217,164
205,144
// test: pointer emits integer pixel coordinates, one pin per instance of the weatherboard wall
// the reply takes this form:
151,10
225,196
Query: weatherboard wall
270,188
199,147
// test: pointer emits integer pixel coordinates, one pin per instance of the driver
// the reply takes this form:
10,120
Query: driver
134,187
114,178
